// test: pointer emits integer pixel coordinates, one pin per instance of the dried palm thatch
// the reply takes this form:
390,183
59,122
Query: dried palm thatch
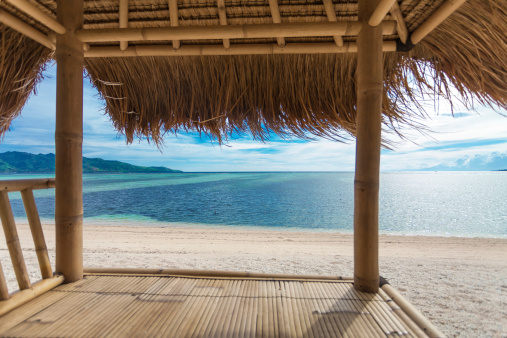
291,95
21,63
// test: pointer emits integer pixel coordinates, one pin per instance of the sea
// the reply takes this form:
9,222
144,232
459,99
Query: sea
462,204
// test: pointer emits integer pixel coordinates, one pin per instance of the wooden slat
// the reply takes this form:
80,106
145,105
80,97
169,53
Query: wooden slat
11,236
38,236
161,306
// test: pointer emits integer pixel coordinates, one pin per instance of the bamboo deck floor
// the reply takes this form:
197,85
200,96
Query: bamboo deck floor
169,306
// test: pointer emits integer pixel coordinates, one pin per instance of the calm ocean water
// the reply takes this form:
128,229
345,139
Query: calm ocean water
411,203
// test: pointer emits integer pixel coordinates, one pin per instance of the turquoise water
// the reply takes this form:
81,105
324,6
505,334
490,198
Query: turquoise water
412,203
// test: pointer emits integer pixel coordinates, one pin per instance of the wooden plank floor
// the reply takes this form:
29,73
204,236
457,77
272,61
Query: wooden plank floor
165,306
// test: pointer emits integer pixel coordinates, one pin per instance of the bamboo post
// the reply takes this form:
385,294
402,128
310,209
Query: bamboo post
275,15
38,236
4,292
68,143
368,124
173,17
124,16
11,236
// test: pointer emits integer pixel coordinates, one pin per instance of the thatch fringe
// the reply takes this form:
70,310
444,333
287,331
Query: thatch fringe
22,61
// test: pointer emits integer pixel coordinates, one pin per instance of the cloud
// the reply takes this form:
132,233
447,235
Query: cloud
467,137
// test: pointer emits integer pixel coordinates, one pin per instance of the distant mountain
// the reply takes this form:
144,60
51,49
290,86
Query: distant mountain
490,162
19,162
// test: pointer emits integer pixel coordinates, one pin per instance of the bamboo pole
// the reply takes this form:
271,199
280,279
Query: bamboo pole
4,291
38,15
34,183
173,16
37,234
331,16
412,312
210,273
442,13
124,17
380,12
68,143
25,29
251,31
401,26
11,236
243,49
368,125
21,297
222,16
275,15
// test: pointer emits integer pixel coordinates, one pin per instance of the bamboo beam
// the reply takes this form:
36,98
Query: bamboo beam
331,16
38,15
401,26
442,13
68,143
240,49
4,292
24,296
11,236
412,312
34,183
173,16
124,17
222,16
208,273
38,236
380,12
228,32
25,29
275,15
368,130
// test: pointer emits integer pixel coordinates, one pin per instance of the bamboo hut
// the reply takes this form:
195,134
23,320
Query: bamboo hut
327,68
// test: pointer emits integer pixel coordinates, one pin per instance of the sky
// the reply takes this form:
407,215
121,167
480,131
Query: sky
469,140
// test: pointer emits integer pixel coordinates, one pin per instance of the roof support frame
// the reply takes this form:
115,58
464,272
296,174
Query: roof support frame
380,12
124,17
25,29
173,17
401,26
307,29
222,17
38,15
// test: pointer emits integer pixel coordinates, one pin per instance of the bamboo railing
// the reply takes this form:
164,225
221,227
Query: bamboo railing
27,291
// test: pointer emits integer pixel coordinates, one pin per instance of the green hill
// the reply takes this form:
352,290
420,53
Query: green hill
20,163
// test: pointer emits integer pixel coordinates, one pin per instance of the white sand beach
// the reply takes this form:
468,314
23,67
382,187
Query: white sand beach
460,284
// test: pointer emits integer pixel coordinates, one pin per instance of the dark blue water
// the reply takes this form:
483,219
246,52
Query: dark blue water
442,204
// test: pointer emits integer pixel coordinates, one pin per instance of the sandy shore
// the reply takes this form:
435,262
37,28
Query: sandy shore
460,284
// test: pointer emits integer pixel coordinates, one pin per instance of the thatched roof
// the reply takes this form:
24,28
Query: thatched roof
299,94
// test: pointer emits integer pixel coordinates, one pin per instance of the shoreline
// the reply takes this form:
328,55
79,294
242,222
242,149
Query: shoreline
459,284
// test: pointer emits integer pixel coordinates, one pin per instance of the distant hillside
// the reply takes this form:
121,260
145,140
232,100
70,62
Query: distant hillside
19,162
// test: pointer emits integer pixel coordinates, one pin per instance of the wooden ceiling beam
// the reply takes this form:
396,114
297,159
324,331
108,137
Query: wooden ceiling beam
380,12
222,16
307,29
124,17
442,13
38,15
331,16
237,49
275,15
401,26
173,17
25,29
